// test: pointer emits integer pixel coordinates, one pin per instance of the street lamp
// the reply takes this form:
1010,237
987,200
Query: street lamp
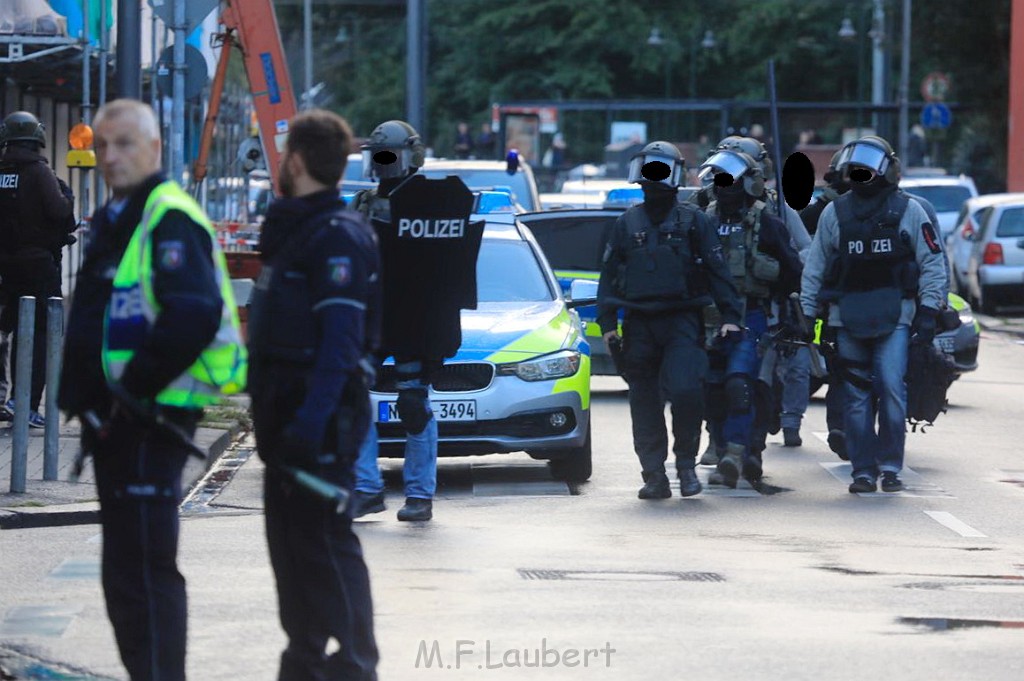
708,42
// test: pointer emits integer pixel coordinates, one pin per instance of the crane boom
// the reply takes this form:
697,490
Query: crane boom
253,26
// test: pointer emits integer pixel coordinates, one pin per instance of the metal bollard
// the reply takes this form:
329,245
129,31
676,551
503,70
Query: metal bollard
22,391
54,343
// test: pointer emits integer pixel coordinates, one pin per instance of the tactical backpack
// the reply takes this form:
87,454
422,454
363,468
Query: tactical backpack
930,372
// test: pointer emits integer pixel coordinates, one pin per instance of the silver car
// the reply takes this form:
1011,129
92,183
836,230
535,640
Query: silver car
993,272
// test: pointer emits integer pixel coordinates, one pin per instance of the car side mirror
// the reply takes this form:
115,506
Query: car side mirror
582,292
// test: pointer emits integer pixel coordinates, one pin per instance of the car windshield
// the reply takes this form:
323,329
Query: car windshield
508,271
1011,223
488,179
945,198
354,168
573,243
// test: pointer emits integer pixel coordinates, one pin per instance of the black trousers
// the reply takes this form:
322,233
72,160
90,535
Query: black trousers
323,586
138,476
666,362
38,277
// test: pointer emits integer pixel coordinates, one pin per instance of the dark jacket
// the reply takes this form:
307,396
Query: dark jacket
708,249
340,267
41,211
185,287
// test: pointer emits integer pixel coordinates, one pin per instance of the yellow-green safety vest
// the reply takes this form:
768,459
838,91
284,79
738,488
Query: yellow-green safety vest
221,368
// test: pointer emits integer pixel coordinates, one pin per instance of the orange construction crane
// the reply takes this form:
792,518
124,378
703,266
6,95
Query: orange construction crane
252,26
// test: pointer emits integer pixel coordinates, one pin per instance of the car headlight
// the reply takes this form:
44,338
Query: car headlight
549,367
966,317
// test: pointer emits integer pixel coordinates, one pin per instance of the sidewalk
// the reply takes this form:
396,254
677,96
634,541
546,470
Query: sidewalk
47,503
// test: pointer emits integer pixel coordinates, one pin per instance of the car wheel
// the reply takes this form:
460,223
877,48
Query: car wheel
573,464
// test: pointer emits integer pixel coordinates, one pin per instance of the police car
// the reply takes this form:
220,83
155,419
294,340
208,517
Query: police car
521,378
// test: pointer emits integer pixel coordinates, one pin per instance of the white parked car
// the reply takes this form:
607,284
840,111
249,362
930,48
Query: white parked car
946,192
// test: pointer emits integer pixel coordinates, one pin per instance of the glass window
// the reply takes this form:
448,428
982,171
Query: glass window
945,198
489,179
508,271
573,243
1011,222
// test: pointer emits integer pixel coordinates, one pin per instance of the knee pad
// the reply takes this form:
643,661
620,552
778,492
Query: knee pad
739,394
414,410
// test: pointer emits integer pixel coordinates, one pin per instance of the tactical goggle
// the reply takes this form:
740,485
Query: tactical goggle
383,164
728,162
656,168
868,156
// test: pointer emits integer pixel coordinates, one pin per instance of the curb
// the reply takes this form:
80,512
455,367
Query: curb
88,513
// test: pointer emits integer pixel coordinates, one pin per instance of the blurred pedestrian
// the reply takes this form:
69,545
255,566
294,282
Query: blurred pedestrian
312,323
487,143
36,219
463,141
153,337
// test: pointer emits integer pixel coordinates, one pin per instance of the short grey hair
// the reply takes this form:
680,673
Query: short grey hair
140,112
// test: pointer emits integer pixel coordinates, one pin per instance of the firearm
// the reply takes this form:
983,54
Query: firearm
817,365
776,144
618,356
338,497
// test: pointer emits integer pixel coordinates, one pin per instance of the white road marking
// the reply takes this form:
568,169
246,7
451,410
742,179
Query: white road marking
952,522
914,484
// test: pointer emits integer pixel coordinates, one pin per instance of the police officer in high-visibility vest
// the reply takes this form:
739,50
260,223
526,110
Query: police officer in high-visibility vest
315,315
763,265
877,273
663,264
36,218
153,337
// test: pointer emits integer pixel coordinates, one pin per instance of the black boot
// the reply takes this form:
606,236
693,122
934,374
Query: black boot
689,484
364,502
416,509
655,486
729,466
753,470
791,437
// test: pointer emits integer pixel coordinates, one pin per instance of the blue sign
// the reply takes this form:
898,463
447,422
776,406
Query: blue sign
936,116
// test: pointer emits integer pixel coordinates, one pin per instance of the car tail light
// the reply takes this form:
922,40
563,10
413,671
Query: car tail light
968,230
993,254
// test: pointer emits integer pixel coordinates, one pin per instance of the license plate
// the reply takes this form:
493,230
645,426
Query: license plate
444,410
945,344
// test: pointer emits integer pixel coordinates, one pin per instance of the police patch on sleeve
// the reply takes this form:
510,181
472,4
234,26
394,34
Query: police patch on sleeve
929,238
339,270
172,255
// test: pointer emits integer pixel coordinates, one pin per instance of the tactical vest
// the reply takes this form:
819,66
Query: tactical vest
282,324
876,267
15,231
221,368
659,263
752,271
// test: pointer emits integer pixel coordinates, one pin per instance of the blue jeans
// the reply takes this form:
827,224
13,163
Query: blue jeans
794,372
883,363
419,470
743,361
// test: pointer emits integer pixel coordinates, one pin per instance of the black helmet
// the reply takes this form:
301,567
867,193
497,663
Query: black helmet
753,148
738,165
394,149
21,126
873,153
658,163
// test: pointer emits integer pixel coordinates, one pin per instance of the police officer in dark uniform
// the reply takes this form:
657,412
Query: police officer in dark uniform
314,318
147,339
877,268
36,219
763,265
663,264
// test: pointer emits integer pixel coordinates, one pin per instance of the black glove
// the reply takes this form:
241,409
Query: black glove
923,328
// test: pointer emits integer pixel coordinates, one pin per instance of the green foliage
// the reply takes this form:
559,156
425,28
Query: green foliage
482,51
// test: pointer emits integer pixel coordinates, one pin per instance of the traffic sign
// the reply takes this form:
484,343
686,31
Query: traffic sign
196,75
936,116
935,86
